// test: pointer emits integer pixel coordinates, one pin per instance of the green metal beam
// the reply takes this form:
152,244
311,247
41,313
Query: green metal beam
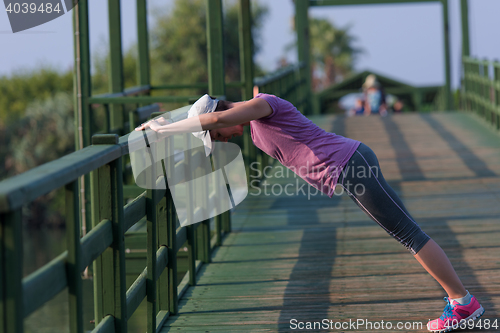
215,48
246,69
447,58
246,56
115,61
142,99
361,2
465,27
303,45
143,44
82,83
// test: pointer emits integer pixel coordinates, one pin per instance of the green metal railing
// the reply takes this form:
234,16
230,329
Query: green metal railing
480,92
103,245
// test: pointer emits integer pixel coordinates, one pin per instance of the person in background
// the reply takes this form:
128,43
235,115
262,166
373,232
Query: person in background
397,107
359,108
374,97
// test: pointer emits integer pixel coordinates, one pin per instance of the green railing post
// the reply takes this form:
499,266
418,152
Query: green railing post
11,273
109,268
143,70
115,63
447,61
302,29
486,91
74,261
151,245
171,234
496,87
465,27
216,87
162,227
246,70
82,84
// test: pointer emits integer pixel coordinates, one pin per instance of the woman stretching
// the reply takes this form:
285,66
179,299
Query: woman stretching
281,131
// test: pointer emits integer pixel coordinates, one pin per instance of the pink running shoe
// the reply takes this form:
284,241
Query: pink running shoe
454,314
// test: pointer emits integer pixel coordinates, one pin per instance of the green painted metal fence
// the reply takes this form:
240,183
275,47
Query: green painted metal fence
481,90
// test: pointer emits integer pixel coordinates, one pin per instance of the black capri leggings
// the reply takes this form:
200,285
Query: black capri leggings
363,181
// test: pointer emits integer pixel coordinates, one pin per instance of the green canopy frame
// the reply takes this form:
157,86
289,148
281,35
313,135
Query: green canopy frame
302,28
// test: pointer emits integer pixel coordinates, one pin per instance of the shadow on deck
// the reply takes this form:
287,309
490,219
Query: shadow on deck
311,258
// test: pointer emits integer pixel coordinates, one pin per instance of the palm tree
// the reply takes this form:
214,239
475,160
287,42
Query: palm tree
333,52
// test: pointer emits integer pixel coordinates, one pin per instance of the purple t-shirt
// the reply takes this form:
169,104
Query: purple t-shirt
312,153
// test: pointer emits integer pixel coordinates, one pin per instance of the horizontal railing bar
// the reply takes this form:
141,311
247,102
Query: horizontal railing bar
144,112
475,61
134,211
26,187
45,283
184,284
180,86
161,261
127,92
42,285
261,81
137,291
96,242
235,84
361,2
107,325
142,99
130,191
161,317
181,237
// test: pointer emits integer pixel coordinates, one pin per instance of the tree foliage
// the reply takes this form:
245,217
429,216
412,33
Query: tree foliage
333,52
22,88
179,42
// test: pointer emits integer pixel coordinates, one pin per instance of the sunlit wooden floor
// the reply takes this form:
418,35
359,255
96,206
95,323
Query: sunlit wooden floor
301,258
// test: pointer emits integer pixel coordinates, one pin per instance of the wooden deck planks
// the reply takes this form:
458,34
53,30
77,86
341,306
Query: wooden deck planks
311,258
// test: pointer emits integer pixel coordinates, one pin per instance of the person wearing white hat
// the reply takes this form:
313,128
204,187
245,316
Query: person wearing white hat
325,160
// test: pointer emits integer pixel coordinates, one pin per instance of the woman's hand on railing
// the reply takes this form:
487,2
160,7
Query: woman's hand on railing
155,125
158,121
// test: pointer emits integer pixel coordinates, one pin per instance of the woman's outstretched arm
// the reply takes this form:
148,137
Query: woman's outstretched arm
241,113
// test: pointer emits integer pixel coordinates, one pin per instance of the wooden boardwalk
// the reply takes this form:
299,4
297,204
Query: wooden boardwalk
314,258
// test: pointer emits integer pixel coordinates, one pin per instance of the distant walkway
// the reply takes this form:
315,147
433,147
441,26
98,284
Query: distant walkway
290,257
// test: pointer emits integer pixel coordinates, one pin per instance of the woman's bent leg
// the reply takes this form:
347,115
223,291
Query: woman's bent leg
365,184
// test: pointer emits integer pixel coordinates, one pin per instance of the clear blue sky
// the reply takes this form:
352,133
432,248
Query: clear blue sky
403,41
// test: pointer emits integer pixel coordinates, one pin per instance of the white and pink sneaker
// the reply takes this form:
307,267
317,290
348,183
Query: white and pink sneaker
455,314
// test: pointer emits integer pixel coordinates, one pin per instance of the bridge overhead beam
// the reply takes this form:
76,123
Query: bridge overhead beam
361,2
